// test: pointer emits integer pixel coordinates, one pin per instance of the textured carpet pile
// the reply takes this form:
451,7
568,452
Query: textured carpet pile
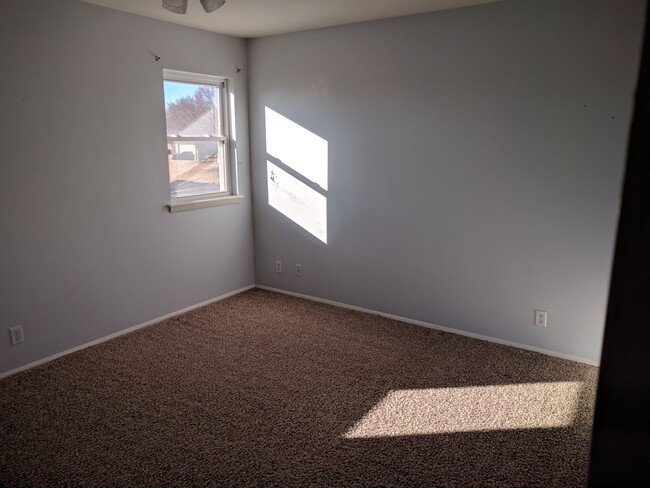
263,389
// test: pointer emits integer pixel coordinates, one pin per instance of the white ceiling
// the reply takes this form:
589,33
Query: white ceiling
257,18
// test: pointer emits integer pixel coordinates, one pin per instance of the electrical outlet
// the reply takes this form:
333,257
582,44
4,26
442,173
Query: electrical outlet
540,318
278,266
298,270
16,335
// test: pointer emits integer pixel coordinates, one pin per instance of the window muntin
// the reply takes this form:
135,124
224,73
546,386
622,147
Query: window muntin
196,109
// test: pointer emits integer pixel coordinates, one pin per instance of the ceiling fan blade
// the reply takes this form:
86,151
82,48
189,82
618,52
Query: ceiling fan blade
212,5
176,6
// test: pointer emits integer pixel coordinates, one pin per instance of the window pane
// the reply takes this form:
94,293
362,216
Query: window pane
192,109
196,167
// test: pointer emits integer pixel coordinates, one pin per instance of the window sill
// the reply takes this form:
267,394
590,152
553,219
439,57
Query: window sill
205,203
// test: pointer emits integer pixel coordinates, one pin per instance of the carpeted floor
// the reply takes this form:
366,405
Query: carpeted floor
263,389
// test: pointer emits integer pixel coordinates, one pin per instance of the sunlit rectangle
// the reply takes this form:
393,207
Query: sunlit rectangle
470,409
297,147
297,201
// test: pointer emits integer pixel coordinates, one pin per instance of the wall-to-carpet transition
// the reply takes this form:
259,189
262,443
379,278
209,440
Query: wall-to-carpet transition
263,389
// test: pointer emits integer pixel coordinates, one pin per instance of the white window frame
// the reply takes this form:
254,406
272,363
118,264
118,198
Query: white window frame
227,196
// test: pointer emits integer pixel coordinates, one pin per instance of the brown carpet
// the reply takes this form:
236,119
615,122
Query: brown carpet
263,389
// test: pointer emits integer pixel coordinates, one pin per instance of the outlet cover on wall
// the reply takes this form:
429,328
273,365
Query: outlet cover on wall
540,318
278,266
16,335
298,270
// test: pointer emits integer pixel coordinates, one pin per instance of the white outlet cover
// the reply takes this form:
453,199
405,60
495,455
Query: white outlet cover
16,335
540,318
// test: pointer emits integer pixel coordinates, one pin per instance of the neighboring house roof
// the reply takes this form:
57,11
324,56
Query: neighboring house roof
205,124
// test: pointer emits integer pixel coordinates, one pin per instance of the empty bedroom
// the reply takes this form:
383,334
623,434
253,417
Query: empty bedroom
320,243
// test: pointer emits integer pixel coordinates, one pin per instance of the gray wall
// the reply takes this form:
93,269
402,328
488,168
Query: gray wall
86,247
475,164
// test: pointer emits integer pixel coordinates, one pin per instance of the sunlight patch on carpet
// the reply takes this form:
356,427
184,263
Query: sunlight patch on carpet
470,409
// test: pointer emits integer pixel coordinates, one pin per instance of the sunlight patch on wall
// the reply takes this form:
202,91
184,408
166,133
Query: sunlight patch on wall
300,195
296,147
470,409
297,201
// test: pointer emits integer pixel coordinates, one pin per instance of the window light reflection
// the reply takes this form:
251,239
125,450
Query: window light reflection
470,409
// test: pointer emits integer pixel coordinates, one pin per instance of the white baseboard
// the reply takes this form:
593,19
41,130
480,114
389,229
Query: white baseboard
434,326
121,332
307,297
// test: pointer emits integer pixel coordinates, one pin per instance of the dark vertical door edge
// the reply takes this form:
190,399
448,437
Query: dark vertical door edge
621,438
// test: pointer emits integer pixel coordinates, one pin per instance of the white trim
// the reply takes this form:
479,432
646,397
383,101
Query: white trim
188,77
434,326
307,297
196,138
194,198
225,176
121,332
204,203
226,130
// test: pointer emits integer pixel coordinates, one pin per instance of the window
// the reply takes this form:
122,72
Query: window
198,143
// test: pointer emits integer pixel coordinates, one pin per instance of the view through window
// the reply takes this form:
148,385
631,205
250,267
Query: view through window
197,135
